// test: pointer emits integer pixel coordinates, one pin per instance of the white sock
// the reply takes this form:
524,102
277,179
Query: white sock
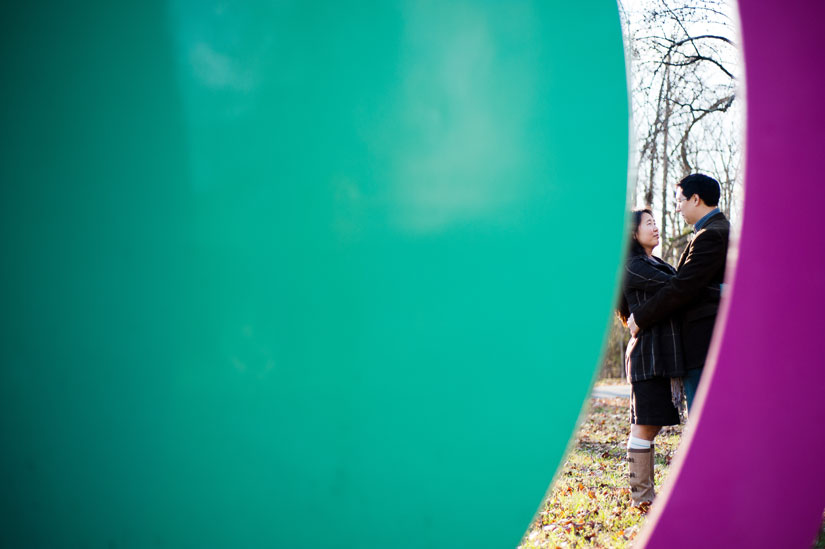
637,443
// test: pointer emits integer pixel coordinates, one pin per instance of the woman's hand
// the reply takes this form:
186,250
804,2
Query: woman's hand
634,328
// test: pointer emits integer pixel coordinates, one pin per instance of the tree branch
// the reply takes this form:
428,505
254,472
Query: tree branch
695,59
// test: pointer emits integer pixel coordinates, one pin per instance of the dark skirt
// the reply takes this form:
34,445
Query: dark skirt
651,403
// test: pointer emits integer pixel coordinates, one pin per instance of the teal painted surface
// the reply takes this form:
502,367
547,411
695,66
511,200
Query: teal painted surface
301,275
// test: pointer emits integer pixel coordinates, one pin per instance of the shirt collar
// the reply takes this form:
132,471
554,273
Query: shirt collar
701,223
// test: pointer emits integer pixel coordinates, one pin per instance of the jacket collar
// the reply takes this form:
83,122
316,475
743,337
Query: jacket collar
655,261
705,220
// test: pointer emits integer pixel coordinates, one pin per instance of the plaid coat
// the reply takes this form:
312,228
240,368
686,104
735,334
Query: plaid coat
657,351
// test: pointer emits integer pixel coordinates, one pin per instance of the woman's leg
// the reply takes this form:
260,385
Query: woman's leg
646,432
651,407
640,458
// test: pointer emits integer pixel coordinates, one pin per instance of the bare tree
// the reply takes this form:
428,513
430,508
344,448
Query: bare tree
684,66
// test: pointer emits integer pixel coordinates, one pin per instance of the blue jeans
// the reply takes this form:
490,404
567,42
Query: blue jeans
691,382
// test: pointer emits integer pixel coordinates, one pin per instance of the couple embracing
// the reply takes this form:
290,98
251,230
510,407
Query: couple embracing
670,313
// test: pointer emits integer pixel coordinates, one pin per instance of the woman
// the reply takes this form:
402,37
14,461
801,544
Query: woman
654,361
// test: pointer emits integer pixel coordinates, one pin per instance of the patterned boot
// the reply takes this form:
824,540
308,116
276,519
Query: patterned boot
640,463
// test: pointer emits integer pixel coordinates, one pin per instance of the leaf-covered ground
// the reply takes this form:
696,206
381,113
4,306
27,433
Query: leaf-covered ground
589,505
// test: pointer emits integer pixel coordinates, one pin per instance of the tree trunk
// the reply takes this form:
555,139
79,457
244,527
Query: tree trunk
665,156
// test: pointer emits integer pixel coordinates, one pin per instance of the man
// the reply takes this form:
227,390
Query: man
695,290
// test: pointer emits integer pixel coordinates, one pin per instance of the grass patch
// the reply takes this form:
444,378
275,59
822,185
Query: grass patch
589,505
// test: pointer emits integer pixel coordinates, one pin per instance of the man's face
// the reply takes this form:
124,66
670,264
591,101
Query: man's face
687,206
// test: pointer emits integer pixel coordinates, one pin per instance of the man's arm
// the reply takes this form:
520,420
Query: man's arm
706,256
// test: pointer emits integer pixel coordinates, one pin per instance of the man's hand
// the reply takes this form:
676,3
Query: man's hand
634,328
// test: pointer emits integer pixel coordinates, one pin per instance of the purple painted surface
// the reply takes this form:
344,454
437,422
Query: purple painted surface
753,474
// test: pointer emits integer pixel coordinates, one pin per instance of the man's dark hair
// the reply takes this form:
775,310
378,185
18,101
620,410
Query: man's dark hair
706,187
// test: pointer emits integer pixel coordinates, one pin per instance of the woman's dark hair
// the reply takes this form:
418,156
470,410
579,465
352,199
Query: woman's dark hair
633,249
633,246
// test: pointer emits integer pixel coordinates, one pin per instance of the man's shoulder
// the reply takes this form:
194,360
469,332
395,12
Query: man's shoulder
718,222
718,225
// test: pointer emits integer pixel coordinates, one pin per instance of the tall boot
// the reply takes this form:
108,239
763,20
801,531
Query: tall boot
640,463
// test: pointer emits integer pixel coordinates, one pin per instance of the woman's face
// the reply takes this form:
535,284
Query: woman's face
647,234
